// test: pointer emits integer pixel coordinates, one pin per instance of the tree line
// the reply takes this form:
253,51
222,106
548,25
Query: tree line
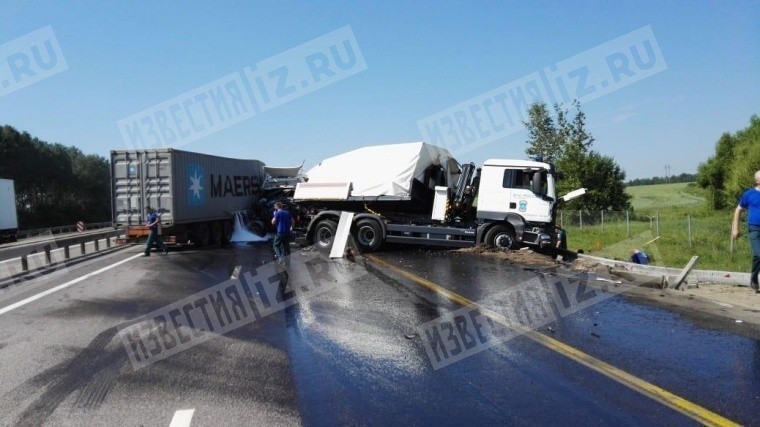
730,171
55,185
684,177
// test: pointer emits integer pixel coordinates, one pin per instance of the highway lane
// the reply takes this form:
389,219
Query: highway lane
351,355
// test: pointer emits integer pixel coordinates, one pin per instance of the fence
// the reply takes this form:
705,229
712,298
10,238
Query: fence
676,236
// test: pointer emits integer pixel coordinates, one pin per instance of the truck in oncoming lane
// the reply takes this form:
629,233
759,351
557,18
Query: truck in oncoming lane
8,217
417,193
195,195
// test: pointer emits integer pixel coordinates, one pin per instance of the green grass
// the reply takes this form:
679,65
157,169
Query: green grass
664,195
674,204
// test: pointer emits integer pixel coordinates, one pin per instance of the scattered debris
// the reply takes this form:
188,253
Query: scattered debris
550,329
594,334
523,257
410,336
739,321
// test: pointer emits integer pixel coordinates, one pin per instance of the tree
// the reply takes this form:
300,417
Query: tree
730,170
568,144
55,184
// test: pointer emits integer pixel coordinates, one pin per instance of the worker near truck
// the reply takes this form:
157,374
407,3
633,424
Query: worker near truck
283,223
750,201
151,219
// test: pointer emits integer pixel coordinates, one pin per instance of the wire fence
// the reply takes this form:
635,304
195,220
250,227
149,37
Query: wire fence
677,236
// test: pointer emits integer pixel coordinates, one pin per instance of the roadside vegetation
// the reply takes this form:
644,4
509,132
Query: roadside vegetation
55,184
671,207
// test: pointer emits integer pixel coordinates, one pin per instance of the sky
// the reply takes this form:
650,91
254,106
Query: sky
418,58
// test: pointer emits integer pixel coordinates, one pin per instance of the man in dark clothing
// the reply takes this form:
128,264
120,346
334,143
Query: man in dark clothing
151,220
750,202
283,223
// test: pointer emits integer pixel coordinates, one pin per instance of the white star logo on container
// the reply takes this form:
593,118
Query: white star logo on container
196,187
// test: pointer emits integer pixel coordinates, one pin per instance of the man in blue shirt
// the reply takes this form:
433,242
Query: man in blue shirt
283,223
750,202
151,220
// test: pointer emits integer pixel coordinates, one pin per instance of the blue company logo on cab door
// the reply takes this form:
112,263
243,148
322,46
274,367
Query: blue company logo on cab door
196,195
523,205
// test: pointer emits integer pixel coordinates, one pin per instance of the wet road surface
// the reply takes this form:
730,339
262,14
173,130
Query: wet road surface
352,354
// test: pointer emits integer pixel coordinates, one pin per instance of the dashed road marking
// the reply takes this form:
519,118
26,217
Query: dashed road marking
182,418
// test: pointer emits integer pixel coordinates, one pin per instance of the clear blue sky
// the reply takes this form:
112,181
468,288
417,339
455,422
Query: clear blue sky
422,57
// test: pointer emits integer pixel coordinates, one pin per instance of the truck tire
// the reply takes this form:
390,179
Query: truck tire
258,228
368,235
324,234
202,235
216,233
501,237
227,229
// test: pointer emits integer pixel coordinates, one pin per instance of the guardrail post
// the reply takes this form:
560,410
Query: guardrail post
66,252
24,264
48,258
97,244
108,242
81,249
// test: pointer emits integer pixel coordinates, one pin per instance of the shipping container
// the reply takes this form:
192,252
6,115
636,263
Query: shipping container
194,194
8,217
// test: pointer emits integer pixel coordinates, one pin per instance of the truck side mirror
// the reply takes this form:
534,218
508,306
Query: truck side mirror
537,183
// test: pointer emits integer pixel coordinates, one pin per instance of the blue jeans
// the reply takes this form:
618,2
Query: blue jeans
154,238
754,241
281,245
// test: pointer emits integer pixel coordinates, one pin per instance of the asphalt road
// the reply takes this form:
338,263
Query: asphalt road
357,342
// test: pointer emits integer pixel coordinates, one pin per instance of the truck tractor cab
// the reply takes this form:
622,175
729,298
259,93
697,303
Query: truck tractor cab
516,201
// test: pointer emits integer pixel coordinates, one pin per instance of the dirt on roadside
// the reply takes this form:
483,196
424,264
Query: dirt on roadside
730,308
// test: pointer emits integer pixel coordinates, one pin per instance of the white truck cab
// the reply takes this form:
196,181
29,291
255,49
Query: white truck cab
507,186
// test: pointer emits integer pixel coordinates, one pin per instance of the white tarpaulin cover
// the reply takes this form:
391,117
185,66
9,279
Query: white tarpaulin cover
384,170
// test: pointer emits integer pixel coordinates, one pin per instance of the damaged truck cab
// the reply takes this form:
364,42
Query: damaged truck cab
419,194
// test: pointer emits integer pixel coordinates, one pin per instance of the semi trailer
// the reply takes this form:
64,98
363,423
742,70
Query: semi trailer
195,195
417,193
8,215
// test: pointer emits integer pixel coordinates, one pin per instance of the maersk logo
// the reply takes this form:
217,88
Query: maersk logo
196,195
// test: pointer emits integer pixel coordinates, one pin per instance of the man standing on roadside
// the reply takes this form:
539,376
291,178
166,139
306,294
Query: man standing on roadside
750,202
282,222
152,220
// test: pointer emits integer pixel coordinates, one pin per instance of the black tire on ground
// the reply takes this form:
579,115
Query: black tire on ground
202,235
216,233
501,237
258,228
368,235
324,234
227,228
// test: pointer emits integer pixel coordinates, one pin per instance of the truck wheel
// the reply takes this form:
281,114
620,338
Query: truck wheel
227,229
216,233
324,234
368,235
258,228
501,237
202,235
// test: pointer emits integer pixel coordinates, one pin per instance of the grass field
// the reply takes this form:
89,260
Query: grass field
663,210
664,195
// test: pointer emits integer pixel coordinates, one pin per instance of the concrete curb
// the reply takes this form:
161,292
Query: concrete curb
699,276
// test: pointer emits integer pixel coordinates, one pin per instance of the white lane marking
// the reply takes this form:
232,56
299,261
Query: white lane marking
64,286
182,418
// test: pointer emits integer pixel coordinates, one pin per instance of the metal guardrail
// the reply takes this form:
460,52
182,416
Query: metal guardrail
48,246
61,229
